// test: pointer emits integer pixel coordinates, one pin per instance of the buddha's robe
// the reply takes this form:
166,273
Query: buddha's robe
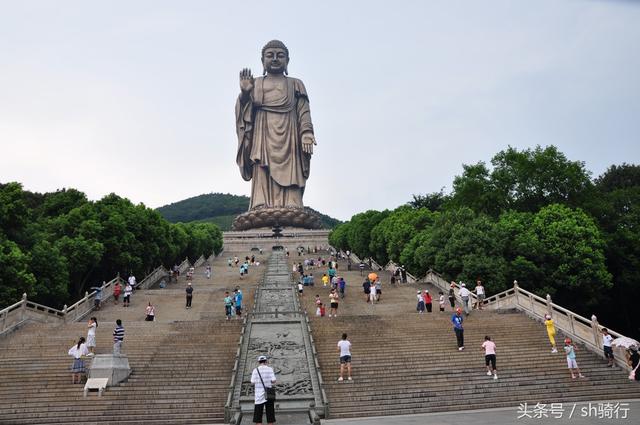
270,124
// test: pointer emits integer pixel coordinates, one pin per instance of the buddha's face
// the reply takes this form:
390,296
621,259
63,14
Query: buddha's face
275,60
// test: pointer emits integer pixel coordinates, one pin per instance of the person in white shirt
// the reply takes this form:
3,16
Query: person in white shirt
607,339
464,294
344,348
132,280
261,377
77,368
480,294
490,356
128,290
91,335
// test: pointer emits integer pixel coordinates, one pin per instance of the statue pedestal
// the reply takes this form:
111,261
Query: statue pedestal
281,216
292,238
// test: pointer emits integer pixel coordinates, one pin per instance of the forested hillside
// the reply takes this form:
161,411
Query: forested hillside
55,246
532,216
218,208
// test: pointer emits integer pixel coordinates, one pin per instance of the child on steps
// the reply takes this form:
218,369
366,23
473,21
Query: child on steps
570,350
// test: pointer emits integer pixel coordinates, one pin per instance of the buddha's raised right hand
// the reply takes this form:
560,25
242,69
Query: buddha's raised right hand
246,81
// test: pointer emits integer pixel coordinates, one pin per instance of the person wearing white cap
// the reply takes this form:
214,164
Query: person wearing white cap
189,292
464,294
263,377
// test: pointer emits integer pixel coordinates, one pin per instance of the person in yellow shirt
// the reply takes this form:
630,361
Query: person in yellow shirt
325,280
551,332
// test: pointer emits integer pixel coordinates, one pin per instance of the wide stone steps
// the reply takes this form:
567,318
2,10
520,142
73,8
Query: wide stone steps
181,363
406,363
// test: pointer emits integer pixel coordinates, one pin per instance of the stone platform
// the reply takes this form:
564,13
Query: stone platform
291,239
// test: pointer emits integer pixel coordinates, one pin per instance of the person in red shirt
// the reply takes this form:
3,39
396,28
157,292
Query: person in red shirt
428,301
117,290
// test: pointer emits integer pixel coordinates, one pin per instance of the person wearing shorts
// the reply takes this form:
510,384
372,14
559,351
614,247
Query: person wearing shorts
344,348
333,299
490,356
228,304
607,339
570,351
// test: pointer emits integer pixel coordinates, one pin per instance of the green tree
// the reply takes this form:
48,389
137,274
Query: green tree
15,277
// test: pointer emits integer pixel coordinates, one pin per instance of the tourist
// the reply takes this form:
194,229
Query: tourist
490,356
237,299
128,290
333,303
208,272
242,271
551,332
344,348
317,300
420,306
465,294
366,286
246,267
441,300
378,289
263,377
457,320
132,280
342,286
480,294
319,308
372,294
229,261
228,304
91,335
452,295
325,280
118,338
77,368
150,311
607,339
189,292
428,301
97,301
300,288
117,290
331,272
361,267
334,282
634,361
311,279
570,351
403,273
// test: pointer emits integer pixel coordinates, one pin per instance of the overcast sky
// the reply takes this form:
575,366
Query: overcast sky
137,97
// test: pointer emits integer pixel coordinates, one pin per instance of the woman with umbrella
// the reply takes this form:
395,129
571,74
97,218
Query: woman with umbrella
632,351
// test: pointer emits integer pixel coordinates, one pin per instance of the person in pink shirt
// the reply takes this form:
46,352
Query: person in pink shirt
490,356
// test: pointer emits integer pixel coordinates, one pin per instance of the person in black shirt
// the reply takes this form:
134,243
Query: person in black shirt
189,292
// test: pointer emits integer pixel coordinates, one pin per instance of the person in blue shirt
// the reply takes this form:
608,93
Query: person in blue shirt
237,293
457,319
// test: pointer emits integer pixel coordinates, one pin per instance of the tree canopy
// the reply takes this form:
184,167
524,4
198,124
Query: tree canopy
533,216
54,246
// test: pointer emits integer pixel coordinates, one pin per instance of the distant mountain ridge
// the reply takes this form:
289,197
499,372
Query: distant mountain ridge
218,208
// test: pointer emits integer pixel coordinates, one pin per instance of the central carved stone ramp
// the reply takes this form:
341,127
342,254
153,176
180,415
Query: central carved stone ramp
279,329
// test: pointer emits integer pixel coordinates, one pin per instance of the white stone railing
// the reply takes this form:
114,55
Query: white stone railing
152,278
24,310
184,265
200,261
391,266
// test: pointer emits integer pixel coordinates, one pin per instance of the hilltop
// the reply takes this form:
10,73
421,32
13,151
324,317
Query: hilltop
218,208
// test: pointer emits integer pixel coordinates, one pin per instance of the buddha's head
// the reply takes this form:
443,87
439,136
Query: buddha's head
275,57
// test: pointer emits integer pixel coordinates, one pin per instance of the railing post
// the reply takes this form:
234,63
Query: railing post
4,320
596,331
572,325
549,304
516,289
64,310
23,308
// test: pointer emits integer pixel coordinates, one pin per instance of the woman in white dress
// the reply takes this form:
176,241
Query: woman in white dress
91,335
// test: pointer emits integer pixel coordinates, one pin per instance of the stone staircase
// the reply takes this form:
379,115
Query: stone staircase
405,363
181,363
